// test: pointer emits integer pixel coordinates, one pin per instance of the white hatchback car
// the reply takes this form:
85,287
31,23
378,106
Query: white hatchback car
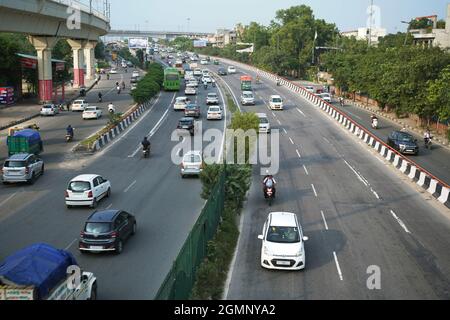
276,103
204,62
231,69
325,96
282,242
180,103
92,113
113,71
190,90
264,124
49,110
87,190
79,105
214,113
192,164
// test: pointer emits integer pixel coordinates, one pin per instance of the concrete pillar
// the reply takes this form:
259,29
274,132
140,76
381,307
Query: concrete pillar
44,46
78,61
89,57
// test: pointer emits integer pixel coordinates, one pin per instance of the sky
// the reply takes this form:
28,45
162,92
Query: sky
209,15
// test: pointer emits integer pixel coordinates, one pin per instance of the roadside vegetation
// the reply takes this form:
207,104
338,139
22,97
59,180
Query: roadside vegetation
150,84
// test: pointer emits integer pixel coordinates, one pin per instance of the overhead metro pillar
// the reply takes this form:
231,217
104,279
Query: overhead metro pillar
44,47
78,61
89,57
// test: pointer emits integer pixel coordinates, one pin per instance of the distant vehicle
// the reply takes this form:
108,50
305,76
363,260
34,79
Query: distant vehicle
24,141
204,62
23,167
134,80
214,113
212,99
282,242
276,102
186,124
206,79
192,110
190,90
216,62
403,142
192,164
325,96
133,86
113,71
79,105
192,82
246,83
172,81
198,72
264,124
87,190
232,70
135,74
188,74
310,89
205,72
222,72
130,64
92,112
179,66
247,98
180,103
107,231
49,110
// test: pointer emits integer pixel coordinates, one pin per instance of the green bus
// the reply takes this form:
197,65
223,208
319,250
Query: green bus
172,80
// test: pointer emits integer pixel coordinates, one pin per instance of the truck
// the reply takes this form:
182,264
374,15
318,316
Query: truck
246,83
25,141
42,272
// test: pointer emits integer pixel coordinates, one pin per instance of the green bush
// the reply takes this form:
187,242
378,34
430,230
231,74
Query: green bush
150,84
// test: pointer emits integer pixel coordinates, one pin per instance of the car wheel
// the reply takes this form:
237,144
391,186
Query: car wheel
69,206
33,179
108,194
94,204
119,247
42,170
93,292
133,232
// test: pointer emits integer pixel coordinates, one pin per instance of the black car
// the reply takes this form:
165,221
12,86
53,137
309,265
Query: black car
187,123
107,231
403,142
222,72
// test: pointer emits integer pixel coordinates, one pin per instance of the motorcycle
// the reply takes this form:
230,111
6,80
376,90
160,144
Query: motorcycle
428,143
375,124
69,137
269,194
100,99
146,152
118,90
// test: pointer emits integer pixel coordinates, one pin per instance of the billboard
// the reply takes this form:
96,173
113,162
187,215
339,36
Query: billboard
200,43
138,43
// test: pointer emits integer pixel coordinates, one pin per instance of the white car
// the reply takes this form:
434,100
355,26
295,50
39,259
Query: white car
276,103
310,89
135,74
113,71
190,90
49,110
87,190
212,99
193,82
198,73
192,164
231,69
206,79
92,113
180,103
282,242
188,74
79,105
214,113
205,72
247,98
204,62
264,124
325,96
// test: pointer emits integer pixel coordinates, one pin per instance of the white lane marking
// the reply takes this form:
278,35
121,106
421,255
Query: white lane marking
306,170
400,222
354,115
315,192
301,112
292,141
326,140
225,107
273,113
298,153
324,220
284,130
234,96
130,186
375,193
279,122
71,244
360,177
7,199
338,267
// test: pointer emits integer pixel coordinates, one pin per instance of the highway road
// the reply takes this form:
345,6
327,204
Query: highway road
165,205
357,211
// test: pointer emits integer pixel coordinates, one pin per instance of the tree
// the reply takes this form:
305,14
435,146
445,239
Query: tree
423,23
438,94
100,51
441,24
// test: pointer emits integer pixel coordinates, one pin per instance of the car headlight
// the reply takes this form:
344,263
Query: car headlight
299,254
402,146
267,252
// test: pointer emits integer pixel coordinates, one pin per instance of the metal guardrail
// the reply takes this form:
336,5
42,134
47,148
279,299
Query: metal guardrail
83,7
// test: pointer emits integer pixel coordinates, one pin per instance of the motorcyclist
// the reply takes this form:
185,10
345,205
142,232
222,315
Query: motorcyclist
373,119
258,80
111,108
269,182
100,97
146,144
278,82
213,82
427,137
123,85
118,89
69,131
341,101
107,76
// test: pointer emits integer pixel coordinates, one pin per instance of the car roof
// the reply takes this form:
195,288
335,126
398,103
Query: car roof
216,107
79,100
261,115
181,98
283,219
85,177
103,216
19,156
247,92
90,107
275,96
212,94
187,119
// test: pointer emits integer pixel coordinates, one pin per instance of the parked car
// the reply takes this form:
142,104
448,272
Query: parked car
222,72
107,231
92,112
186,124
180,103
214,113
276,102
247,98
231,70
79,105
192,164
87,190
49,110
212,99
192,110
403,142
264,124
22,168
282,242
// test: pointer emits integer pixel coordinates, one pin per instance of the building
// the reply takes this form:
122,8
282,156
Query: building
365,34
435,37
223,37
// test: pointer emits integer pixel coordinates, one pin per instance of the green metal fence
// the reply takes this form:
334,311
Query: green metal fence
180,280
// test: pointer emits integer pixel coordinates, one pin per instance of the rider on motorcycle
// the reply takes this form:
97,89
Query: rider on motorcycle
146,144
374,120
427,137
111,108
269,182
123,85
100,97
69,131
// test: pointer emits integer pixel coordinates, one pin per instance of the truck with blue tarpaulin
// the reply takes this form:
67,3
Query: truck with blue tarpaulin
25,141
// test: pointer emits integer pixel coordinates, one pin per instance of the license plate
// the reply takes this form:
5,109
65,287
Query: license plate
185,127
96,248
283,263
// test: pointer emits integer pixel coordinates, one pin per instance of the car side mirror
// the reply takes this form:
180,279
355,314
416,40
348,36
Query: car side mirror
305,238
261,237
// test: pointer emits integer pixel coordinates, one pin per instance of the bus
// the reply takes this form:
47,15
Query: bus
246,83
172,80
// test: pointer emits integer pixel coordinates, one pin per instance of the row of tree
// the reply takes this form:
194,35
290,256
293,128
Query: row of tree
150,84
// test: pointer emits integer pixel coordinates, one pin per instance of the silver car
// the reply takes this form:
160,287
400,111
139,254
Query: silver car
192,164
22,168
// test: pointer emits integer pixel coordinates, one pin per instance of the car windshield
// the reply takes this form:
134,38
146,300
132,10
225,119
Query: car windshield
79,186
214,109
192,106
91,109
277,100
212,95
283,235
98,227
263,120
181,101
405,138
47,107
192,158
78,102
248,96
185,122
15,164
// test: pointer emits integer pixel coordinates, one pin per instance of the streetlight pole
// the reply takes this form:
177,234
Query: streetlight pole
407,31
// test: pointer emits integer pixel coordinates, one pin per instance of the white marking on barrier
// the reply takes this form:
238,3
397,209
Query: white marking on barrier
422,177
445,195
433,186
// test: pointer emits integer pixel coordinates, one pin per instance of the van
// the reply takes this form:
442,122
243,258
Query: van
264,124
276,102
